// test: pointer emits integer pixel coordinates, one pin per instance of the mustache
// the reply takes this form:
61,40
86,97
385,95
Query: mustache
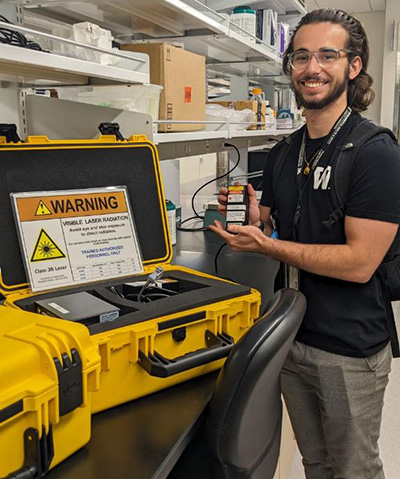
314,78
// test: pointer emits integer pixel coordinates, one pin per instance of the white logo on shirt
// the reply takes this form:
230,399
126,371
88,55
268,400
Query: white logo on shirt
321,177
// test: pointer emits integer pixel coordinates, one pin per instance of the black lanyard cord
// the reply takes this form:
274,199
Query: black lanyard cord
313,163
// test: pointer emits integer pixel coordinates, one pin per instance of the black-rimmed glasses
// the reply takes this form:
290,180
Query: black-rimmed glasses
326,57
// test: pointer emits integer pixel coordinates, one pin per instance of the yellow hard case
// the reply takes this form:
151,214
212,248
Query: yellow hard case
151,346
48,370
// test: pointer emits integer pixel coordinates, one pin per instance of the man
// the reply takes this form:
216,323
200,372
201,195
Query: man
335,376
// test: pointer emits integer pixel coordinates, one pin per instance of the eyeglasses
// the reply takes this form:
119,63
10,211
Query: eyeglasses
326,57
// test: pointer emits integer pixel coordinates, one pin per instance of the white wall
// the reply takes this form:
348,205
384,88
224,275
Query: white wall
374,24
389,64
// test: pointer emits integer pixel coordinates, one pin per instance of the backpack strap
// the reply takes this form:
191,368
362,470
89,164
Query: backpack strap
283,148
363,132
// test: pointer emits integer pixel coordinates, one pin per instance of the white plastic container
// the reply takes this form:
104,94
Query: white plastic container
141,98
245,18
270,120
171,213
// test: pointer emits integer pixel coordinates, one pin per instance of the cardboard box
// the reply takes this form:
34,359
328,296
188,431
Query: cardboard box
183,76
250,105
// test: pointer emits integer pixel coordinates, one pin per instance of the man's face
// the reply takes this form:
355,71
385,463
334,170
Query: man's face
315,86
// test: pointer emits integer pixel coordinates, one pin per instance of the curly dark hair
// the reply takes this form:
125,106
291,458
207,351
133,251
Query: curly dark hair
360,93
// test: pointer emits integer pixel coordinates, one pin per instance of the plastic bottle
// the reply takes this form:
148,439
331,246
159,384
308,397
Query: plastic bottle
171,212
259,97
270,121
245,18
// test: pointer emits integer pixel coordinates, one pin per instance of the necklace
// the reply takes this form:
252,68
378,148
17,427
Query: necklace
307,168
312,164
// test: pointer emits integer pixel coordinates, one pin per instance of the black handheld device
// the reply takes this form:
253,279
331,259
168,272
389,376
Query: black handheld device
237,207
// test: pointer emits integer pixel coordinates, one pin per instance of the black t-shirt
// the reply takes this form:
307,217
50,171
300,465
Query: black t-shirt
342,317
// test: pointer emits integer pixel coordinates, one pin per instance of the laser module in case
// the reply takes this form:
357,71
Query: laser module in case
80,307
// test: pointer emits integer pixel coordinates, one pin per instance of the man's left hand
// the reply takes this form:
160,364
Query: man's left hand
241,238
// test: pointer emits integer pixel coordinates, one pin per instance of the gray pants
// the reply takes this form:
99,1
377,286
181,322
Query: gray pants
335,406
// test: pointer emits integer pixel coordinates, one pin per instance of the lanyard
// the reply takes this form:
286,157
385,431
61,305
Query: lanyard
313,163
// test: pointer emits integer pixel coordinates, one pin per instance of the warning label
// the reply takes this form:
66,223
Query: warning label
45,248
75,237
84,204
42,209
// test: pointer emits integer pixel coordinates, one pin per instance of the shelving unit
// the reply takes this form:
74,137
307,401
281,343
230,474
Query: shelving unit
29,67
200,26
191,23
183,144
228,134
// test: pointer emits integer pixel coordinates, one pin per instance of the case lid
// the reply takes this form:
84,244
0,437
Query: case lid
47,165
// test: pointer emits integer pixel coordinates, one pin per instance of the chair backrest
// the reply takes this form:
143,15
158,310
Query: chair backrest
244,419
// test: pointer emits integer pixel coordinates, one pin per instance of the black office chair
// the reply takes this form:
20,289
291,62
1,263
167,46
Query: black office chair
240,436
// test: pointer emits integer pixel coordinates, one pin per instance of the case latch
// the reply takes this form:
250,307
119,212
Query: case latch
9,131
111,129
69,382
38,454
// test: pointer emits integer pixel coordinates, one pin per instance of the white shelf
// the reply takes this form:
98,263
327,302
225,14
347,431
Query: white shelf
283,7
185,22
157,18
186,144
36,65
267,133
185,136
202,135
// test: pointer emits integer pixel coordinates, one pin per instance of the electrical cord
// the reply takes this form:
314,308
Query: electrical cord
216,257
190,229
216,264
116,292
156,295
197,215
11,37
151,279
215,179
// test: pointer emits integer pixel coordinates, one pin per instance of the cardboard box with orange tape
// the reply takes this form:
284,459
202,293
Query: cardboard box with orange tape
183,76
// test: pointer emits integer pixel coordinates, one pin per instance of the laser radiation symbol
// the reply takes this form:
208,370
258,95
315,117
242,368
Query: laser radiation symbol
46,248
42,209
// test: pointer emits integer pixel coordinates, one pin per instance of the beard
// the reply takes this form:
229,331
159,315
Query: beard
319,104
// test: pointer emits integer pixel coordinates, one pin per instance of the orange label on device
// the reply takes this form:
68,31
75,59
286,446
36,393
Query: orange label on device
188,94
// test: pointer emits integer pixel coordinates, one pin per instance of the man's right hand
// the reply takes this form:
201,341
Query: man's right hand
254,211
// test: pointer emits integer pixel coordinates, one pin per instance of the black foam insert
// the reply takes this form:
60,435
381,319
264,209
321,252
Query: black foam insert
209,291
41,168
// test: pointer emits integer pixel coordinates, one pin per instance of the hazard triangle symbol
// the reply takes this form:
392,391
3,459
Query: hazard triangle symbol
42,209
46,248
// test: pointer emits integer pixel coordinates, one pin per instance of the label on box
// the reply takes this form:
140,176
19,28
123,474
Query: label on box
76,236
107,317
59,308
188,94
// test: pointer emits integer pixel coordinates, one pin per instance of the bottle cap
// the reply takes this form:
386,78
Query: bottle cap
243,9
170,205
257,91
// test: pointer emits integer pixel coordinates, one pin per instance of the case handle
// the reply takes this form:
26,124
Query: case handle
219,346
